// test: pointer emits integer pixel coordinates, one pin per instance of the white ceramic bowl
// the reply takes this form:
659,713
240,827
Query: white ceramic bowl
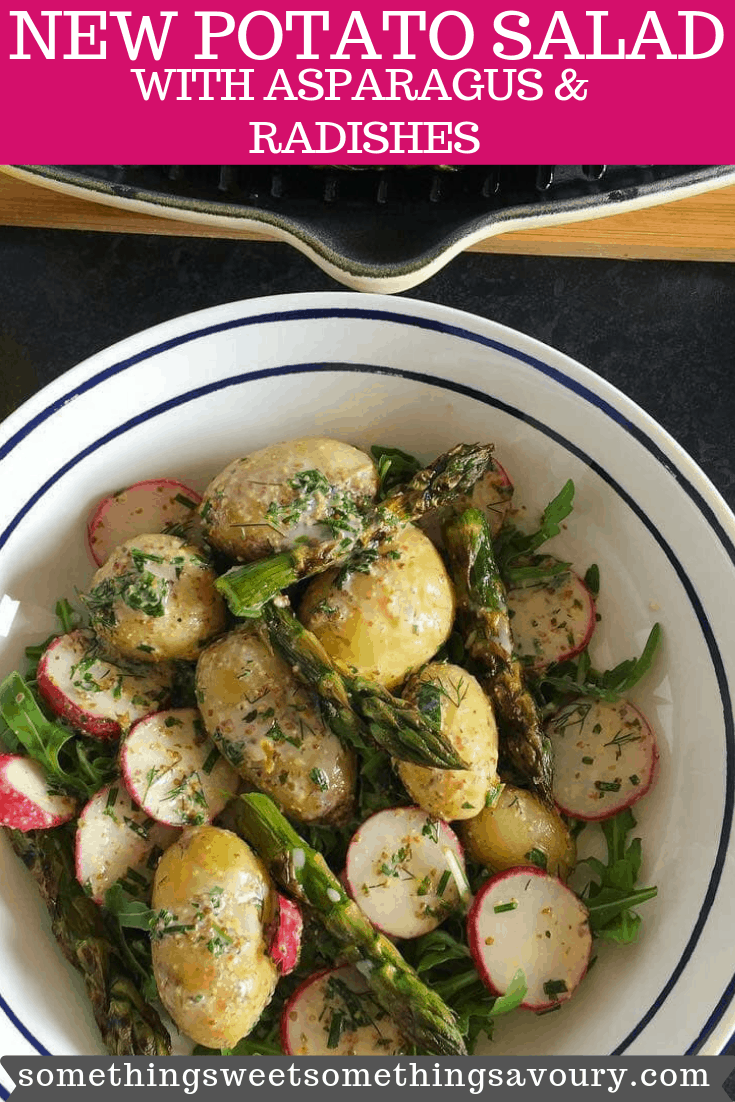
186,397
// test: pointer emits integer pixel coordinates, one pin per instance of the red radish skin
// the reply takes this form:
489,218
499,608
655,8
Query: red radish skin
525,918
605,757
285,942
173,771
398,873
552,622
307,1018
25,802
114,837
107,711
149,506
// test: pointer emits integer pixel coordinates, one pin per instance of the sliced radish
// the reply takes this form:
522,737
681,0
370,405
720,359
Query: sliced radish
551,620
156,505
94,694
333,1013
605,757
116,841
492,494
403,868
525,918
25,801
173,771
284,944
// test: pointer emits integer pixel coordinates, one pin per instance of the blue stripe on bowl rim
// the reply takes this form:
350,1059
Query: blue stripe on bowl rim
546,369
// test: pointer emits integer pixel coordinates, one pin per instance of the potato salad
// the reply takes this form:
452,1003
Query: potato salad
311,754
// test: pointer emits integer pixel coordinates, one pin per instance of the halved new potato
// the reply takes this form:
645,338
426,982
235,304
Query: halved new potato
520,830
210,952
384,614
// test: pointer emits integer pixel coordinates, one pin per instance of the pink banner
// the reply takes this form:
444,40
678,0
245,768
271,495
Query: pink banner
481,83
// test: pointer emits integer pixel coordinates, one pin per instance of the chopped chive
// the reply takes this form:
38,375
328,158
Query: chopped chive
443,881
211,761
186,501
537,857
552,988
501,907
153,857
138,828
111,797
607,786
634,778
588,761
136,877
335,1029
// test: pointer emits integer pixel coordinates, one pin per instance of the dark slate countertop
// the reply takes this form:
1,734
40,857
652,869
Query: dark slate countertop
663,332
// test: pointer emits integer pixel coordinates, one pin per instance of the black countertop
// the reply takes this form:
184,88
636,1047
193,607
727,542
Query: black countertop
662,332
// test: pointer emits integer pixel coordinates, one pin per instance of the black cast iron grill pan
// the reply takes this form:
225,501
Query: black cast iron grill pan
382,228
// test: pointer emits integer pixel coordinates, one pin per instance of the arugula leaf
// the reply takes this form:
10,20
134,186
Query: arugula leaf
578,677
67,616
72,764
42,739
129,911
125,917
511,543
610,899
395,467
627,674
537,569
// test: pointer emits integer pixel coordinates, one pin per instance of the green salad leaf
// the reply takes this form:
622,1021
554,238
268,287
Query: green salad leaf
578,676
73,764
611,898
512,544
394,468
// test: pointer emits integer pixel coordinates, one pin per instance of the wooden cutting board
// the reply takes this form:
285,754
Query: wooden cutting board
700,228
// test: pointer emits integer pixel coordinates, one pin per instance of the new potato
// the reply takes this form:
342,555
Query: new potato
262,504
154,599
503,836
268,726
214,976
468,722
388,618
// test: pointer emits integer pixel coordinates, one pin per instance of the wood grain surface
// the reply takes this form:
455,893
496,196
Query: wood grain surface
700,228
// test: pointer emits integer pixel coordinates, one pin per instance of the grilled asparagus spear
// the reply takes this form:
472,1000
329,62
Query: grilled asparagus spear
424,1019
485,625
359,711
129,1026
247,588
